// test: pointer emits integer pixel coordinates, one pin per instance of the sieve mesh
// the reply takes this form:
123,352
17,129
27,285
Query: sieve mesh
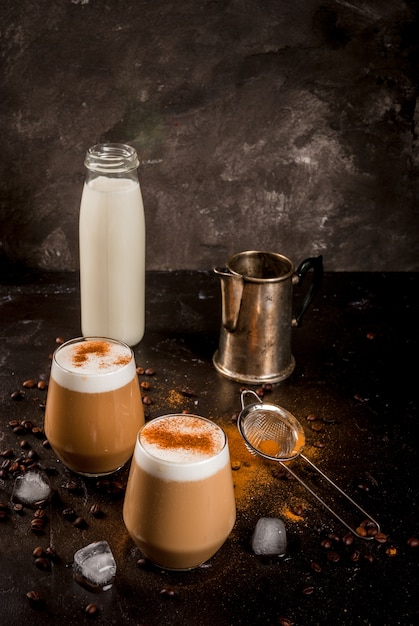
270,434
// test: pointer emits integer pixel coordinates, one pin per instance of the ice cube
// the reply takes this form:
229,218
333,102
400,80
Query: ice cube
32,489
269,537
94,566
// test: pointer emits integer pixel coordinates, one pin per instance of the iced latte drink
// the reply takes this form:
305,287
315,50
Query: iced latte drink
94,408
179,505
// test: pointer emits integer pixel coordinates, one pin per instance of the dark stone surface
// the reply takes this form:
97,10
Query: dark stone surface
280,125
355,354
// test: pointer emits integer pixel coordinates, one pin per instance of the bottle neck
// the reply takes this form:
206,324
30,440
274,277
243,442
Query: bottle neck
111,159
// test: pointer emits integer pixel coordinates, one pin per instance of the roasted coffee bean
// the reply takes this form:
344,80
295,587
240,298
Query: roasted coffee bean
140,370
348,539
25,444
37,525
91,609
145,384
150,371
103,484
115,488
27,424
59,340
329,420
80,522
168,592
318,444
37,431
361,531
17,395
36,466
13,423
38,552
316,427
316,567
40,514
235,465
96,511
260,391
51,554
16,467
355,556
267,387
147,400
297,509
334,537
18,508
369,558
8,453
34,598
380,537
326,544
72,485
69,514
413,542
284,621
333,557
46,444
311,417
43,564
3,515
368,523
18,430
42,384
29,384
308,590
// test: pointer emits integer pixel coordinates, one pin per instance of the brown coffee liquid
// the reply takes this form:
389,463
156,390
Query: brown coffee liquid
93,433
179,524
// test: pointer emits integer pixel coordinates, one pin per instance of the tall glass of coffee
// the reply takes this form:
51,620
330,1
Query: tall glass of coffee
94,408
179,505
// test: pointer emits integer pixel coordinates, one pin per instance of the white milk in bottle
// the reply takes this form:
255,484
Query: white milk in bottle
112,245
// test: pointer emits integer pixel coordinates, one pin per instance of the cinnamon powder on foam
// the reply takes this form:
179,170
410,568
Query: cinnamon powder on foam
172,438
100,349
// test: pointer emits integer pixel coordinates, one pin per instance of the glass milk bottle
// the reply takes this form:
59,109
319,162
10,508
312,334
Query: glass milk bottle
112,245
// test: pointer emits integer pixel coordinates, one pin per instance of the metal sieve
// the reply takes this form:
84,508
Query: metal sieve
275,434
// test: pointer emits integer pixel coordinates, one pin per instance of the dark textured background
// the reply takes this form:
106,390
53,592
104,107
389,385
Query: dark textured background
288,125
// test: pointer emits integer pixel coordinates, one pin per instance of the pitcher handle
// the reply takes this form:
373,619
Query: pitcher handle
316,264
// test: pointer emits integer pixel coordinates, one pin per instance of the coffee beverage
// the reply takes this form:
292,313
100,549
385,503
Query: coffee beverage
94,408
179,505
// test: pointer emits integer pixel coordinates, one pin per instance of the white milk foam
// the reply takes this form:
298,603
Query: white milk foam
93,366
170,448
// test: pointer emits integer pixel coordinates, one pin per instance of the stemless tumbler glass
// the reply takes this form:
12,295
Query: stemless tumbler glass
179,505
94,408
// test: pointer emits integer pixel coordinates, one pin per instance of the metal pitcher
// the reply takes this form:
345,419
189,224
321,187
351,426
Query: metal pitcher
257,317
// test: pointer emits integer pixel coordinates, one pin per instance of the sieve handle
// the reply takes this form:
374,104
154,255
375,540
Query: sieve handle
246,392
313,493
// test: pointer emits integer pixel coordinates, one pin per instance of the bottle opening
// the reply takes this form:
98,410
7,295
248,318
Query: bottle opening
111,158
